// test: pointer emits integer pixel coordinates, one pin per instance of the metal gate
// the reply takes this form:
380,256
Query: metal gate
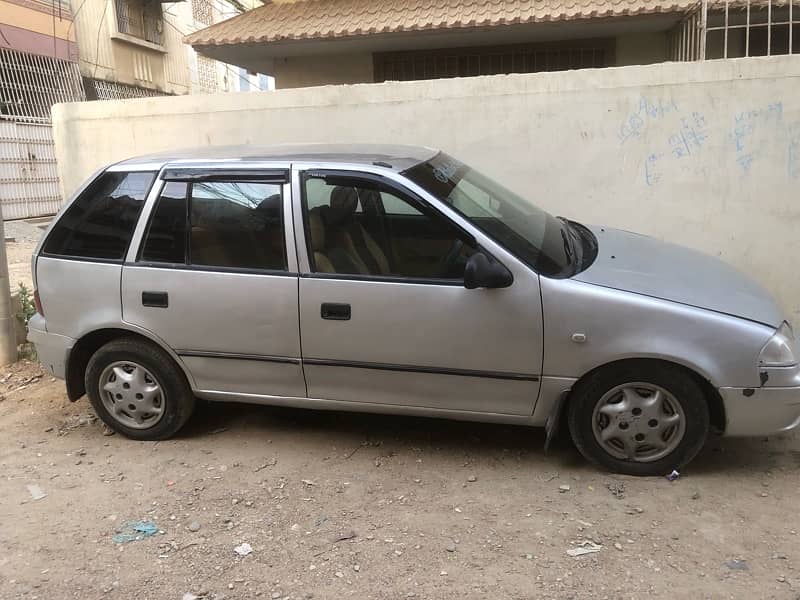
29,85
28,175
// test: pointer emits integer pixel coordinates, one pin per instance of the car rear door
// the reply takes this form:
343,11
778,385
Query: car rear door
413,336
215,278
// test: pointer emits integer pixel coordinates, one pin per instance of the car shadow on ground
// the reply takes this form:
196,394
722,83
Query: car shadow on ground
729,456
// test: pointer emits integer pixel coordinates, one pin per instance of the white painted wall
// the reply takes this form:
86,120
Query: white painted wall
702,154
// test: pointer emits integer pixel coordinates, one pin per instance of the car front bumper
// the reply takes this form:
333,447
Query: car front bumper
52,349
770,409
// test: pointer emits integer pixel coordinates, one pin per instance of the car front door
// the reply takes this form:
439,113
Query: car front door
385,318
213,279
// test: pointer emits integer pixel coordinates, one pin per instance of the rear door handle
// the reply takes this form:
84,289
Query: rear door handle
335,312
155,299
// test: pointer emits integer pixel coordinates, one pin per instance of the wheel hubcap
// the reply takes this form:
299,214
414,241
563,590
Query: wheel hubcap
639,422
131,395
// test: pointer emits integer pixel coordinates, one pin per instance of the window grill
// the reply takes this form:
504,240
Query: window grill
97,89
202,11
496,60
143,19
30,84
737,28
207,74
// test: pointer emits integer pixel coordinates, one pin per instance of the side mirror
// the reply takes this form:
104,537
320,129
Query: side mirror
481,272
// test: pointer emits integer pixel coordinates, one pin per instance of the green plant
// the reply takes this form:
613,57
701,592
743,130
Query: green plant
27,304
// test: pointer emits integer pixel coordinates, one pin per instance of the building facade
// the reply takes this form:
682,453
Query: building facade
135,48
38,68
55,51
316,42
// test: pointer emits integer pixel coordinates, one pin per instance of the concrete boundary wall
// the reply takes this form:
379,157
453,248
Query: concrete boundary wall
701,154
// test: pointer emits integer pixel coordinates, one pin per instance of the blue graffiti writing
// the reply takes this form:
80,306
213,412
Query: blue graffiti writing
691,136
635,122
652,175
794,157
745,125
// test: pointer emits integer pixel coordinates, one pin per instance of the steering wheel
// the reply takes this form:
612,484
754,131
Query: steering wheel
449,261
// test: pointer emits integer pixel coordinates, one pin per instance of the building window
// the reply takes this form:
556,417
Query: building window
202,12
142,19
493,60
207,73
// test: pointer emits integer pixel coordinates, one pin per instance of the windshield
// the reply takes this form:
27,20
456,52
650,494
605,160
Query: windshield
534,236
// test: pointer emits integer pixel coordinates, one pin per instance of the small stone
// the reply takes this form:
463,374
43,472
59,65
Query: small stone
472,479
295,527
230,586
276,594
339,574
235,501
781,579
194,526
563,488
398,552
443,573
696,496
356,568
764,494
451,547
765,483
618,546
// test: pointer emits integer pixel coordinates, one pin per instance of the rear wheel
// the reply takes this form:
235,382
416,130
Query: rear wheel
639,417
138,390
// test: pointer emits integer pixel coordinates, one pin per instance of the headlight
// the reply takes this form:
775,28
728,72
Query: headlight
779,350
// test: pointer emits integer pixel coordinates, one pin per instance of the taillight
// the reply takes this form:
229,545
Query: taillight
37,302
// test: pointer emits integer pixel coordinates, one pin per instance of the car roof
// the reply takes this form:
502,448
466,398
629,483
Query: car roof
396,157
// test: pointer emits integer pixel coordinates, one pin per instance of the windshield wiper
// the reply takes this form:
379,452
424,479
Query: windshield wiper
567,239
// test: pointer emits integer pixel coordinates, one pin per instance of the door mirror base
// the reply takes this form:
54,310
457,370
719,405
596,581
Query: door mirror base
483,272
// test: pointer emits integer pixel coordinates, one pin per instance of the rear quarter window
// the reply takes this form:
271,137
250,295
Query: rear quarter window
99,224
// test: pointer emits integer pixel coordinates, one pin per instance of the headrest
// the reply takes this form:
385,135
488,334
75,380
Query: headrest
317,228
344,201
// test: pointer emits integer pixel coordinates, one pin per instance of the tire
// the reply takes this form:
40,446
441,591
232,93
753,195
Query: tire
667,432
156,400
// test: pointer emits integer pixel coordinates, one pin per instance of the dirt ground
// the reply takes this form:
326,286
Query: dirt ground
343,505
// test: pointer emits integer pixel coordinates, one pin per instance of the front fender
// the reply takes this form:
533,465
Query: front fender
620,325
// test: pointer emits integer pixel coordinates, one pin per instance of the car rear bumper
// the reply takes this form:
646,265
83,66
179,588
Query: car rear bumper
761,411
52,349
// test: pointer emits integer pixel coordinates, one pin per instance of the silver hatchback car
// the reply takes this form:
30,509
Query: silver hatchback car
397,280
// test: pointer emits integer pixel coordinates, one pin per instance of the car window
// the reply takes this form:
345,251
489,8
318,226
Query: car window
393,205
357,227
166,235
531,234
237,224
99,224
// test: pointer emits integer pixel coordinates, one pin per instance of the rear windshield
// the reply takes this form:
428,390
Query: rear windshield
100,223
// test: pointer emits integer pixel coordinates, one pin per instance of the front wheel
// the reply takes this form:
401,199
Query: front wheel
639,417
138,390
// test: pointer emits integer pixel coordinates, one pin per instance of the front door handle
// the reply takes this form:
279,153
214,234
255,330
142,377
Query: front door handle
155,299
335,312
